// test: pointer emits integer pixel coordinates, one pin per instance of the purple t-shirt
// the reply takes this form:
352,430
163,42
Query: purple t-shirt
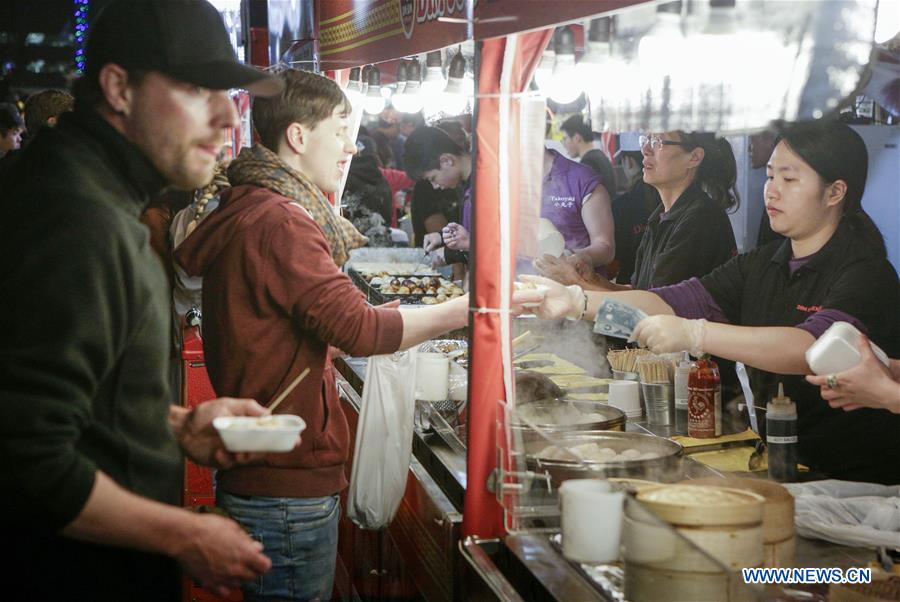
565,187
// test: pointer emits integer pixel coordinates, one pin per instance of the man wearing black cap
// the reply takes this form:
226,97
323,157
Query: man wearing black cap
92,467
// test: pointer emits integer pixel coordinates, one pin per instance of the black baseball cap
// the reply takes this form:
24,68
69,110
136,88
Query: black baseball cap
184,39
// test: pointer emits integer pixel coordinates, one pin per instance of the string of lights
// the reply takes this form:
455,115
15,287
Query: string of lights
81,24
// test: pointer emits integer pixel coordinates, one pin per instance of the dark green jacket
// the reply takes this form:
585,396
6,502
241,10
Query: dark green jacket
84,356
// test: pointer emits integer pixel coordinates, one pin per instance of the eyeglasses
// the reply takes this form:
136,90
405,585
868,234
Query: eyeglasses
656,143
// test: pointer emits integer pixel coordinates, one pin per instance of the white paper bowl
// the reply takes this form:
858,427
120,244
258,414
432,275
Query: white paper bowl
276,433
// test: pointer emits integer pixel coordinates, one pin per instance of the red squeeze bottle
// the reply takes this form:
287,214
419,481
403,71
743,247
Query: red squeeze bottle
704,400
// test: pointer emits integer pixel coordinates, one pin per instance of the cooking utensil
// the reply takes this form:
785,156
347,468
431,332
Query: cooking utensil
288,390
596,416
665,468
759,454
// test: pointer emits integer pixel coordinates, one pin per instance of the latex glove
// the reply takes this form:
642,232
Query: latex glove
869,384
559,301
437,258
665,334
433,241
456,237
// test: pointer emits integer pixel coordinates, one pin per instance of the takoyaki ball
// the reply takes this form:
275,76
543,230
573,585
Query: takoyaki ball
429,301
396,282
403,290
417,291
441,298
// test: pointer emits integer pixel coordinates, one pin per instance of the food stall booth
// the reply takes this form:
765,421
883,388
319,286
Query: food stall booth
480,516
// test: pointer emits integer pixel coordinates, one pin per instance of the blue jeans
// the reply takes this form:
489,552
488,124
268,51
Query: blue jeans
300,536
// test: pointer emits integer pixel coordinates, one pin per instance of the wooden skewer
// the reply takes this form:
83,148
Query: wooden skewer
287,391
520,338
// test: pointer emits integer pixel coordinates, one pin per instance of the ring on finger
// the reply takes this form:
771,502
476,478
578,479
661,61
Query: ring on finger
832,381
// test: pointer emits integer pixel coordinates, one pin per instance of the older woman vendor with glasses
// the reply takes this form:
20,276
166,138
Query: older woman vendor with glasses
689,234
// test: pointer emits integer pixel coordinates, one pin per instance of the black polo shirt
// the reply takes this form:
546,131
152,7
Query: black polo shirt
690,240
847,274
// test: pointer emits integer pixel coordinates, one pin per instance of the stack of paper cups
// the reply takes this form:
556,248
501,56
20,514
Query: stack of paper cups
591,520
432,377
626,395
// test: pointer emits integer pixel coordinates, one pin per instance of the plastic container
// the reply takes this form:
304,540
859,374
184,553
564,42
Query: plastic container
781,437
682,372
837,350
276,433
626,396
591,520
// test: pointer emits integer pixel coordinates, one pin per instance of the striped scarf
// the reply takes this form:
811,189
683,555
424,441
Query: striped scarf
261,167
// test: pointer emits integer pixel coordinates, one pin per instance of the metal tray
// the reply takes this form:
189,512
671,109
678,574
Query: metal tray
376,297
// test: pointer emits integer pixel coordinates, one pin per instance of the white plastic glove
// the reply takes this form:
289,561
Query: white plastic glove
559,301
665,334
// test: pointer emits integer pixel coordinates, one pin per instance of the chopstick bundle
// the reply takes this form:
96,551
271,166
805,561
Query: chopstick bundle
655,370
625,359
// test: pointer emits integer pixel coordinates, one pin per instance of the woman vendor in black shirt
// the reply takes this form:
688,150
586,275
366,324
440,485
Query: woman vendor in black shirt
766,307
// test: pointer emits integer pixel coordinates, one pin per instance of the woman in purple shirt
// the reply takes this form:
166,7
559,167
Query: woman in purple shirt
766,307
574,199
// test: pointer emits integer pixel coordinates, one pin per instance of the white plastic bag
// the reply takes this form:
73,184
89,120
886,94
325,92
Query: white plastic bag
383,440
848,513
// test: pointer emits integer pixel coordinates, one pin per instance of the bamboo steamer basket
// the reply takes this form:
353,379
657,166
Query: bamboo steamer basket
647,584
723,522
779,541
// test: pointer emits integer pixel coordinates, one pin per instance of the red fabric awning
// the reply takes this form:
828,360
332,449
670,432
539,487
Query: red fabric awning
482,515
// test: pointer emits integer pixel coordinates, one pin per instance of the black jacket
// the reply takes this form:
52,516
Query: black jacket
365,180
690,240
83,360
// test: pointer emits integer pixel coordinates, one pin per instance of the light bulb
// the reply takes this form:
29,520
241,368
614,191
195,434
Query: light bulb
565,86
410,99
887,21
434,82
374,102
662,50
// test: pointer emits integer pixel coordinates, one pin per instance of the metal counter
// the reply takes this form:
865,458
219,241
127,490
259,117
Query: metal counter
520,566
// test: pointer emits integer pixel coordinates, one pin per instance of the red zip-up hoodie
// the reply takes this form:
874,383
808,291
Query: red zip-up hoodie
273,302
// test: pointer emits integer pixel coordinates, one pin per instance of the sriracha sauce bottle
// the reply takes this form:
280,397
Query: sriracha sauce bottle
704,400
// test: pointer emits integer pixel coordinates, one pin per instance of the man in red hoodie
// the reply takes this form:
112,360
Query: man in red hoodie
274,301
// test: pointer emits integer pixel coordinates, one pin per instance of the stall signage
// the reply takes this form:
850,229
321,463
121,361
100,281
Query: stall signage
421,11
353,33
